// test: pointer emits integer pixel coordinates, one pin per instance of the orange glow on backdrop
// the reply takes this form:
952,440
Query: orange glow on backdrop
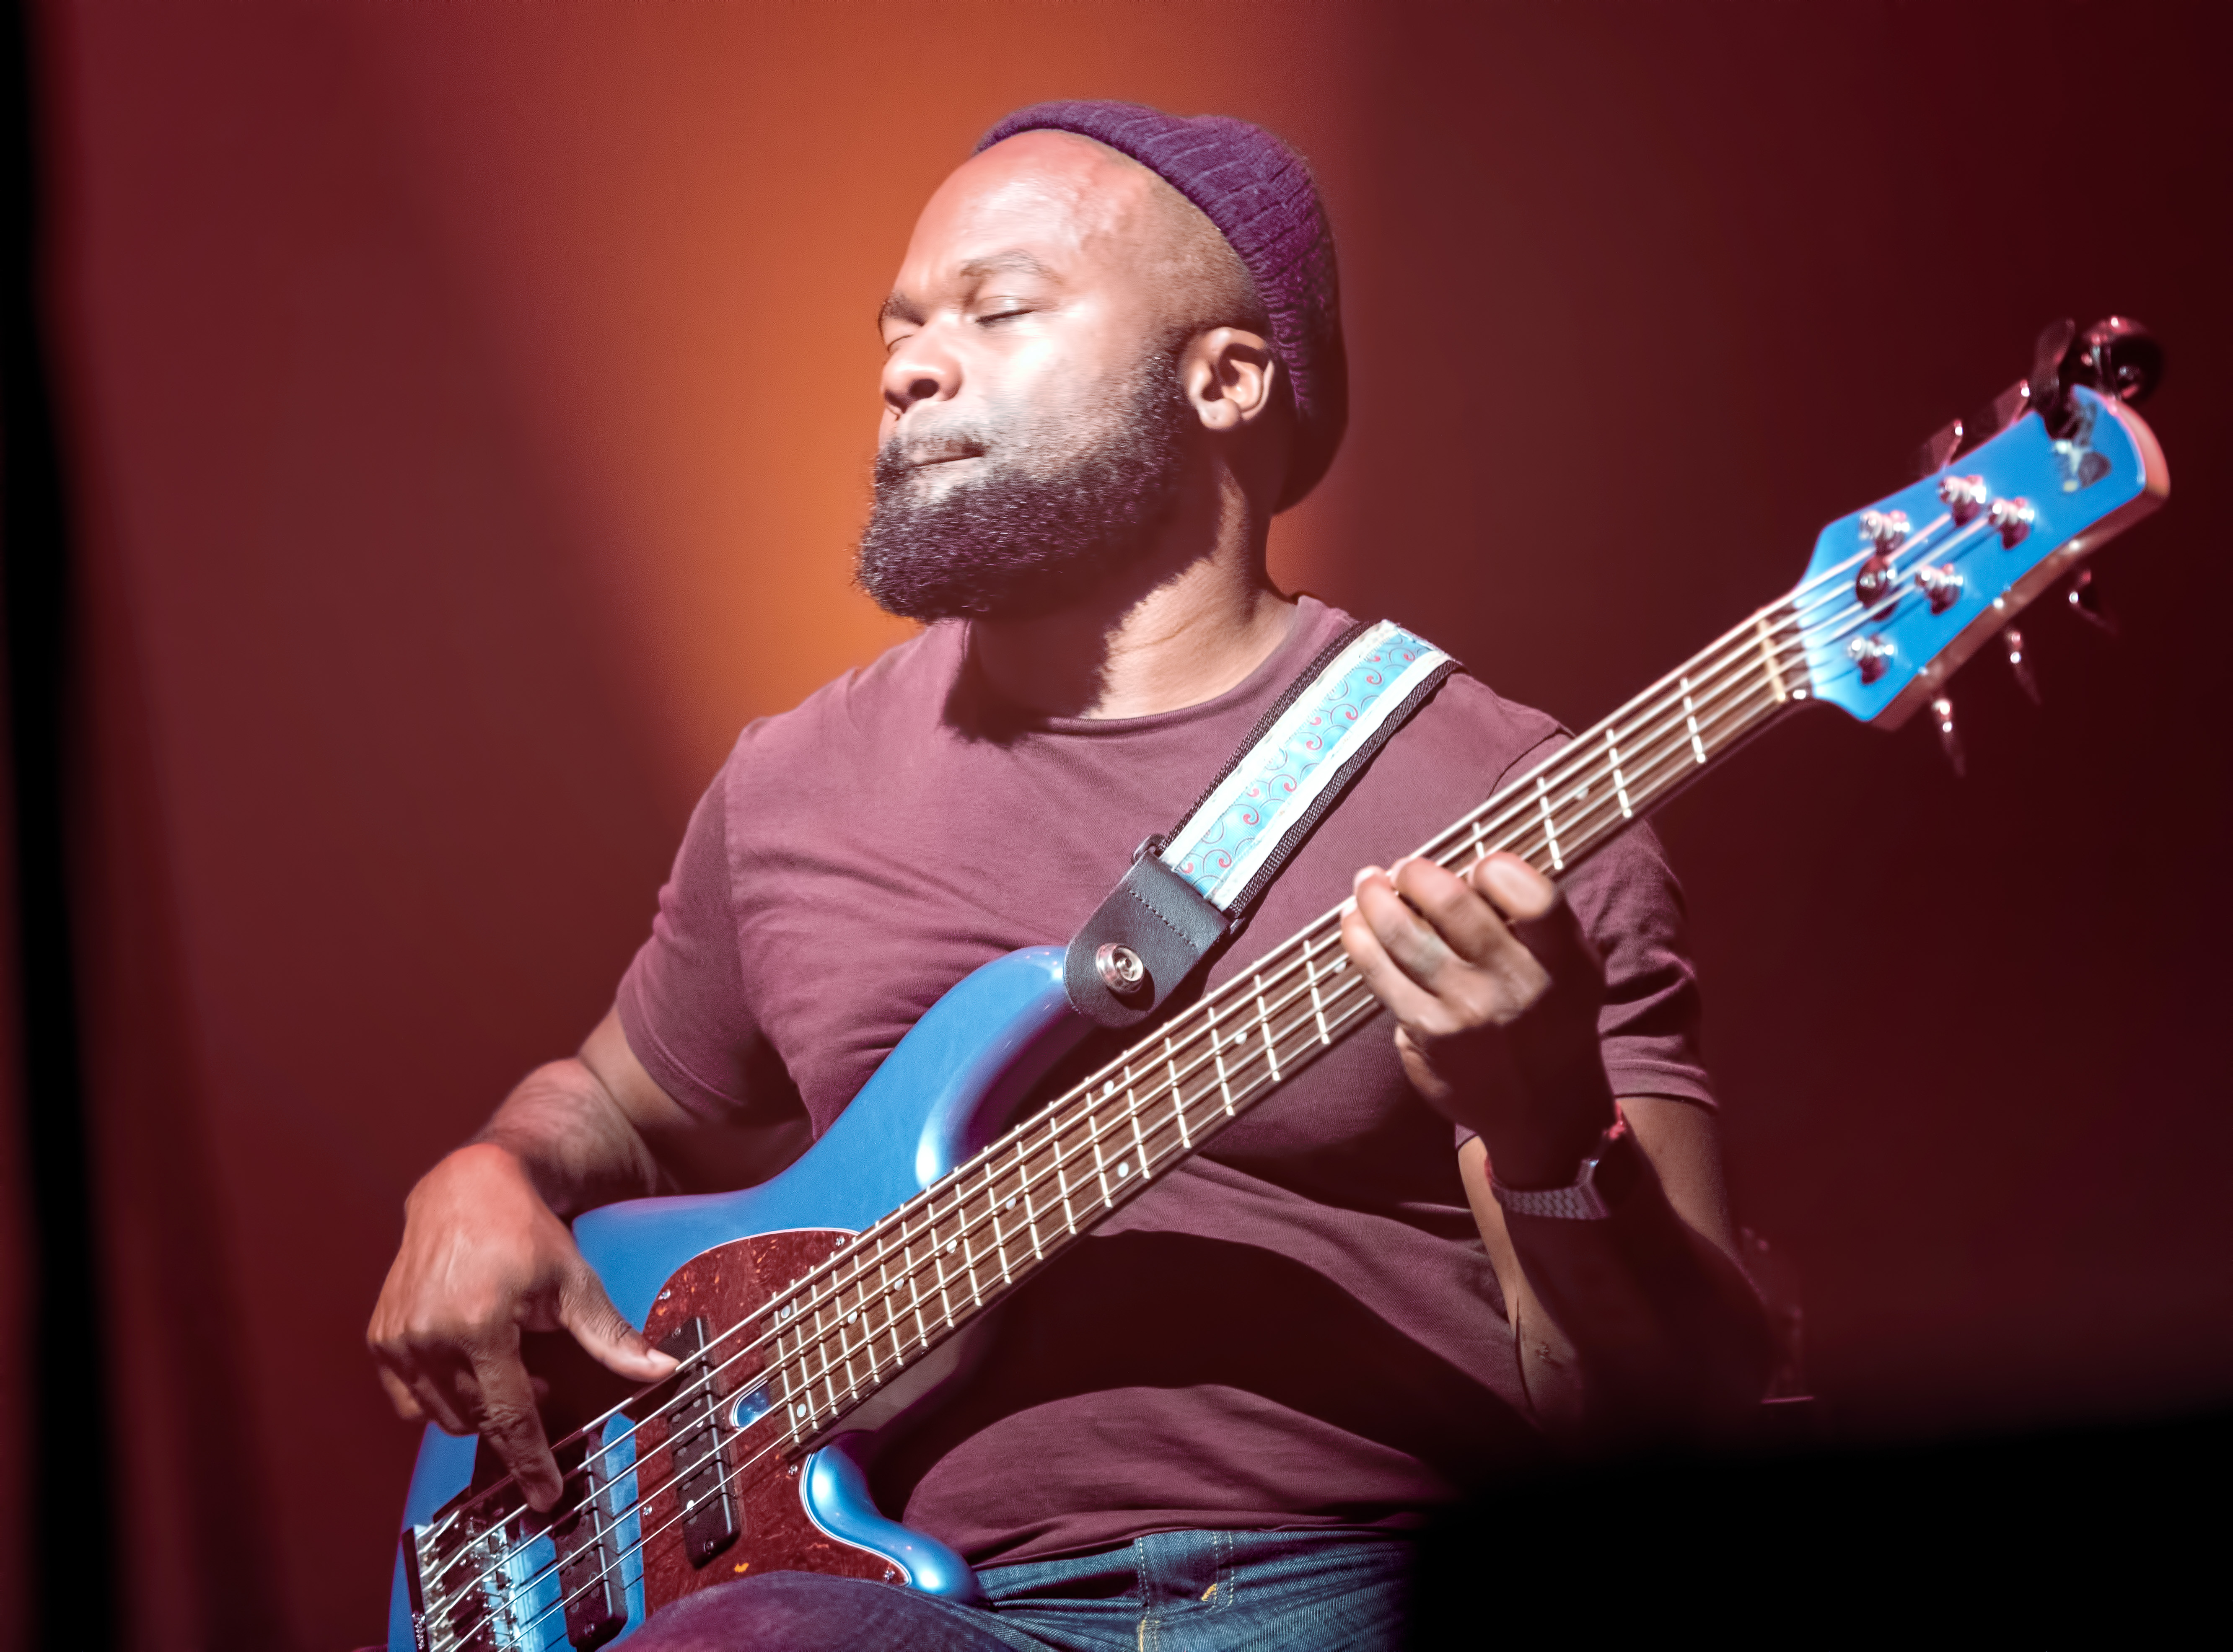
677,224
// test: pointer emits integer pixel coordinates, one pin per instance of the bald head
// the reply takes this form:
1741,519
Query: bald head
1071,347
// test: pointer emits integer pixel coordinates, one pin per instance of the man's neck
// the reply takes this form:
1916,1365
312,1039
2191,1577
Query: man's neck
1188,622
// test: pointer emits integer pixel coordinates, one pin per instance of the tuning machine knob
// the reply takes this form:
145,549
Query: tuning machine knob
1884,533
1884,530
1872,654
1964,495
1941,585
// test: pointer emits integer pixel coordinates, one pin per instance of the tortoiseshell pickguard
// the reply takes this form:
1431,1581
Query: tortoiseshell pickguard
722,1286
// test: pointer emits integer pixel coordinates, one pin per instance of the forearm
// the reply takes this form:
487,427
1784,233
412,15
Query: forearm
574,1139
1639,1324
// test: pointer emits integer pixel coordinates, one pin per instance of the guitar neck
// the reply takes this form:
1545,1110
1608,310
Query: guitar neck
914,1279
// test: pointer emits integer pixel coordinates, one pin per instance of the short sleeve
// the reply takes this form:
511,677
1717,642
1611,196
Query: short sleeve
1631,908
682,1003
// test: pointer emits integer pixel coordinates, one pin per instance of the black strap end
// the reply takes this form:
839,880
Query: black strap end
1139,946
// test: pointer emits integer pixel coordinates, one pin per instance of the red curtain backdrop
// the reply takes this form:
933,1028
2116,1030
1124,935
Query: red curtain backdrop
469,408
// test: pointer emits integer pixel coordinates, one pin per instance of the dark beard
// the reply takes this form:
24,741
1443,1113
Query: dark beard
1062,501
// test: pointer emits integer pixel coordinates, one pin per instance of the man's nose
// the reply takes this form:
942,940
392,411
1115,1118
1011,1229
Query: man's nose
920,369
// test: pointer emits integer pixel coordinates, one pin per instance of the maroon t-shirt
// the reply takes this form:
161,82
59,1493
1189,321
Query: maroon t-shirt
1299,1326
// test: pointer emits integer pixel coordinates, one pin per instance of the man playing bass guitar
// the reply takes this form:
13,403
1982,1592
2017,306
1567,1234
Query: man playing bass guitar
1113,353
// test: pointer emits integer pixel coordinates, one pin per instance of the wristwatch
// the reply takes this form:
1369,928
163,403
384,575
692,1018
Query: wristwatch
1597,1187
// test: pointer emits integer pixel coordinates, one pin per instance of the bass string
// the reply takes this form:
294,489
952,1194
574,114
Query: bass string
907,1235
729,1474
790,1369
911,1222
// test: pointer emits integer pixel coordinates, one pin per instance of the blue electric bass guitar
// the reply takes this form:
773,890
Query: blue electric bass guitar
815,1309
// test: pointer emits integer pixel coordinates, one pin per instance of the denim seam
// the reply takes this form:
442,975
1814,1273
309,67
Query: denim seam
1148,1636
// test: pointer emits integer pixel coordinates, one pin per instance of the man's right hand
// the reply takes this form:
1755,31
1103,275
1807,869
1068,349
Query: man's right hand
484,1259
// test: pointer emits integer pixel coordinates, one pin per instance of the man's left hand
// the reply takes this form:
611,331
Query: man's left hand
1495,992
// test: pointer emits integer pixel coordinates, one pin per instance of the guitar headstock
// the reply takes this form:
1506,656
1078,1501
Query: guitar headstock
1899,594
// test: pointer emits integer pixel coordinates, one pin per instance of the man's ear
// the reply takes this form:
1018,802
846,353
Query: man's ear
1230,378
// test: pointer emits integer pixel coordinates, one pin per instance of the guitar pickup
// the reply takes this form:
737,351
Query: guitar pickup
695,1435
586,1534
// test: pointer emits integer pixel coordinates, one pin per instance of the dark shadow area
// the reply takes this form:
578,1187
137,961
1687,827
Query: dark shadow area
2028,1539
68,1443
1258,1326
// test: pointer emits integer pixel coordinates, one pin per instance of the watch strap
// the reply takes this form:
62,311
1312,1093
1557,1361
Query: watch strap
1598,1188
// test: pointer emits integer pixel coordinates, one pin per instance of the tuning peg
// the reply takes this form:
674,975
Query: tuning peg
2118,357
2085,602
2013,641
1942,712
2050,354
1938,449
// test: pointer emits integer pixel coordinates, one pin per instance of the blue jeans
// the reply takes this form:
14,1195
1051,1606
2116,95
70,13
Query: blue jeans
1170,1591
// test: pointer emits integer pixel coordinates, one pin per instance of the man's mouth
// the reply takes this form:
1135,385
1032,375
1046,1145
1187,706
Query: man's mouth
943,455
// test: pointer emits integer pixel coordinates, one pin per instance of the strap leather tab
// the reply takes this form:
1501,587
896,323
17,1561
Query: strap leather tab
1168,925
1187,891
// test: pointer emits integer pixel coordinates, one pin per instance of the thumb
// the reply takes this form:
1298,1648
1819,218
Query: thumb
586,1311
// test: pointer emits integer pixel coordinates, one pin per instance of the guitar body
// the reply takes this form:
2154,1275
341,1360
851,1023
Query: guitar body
688,1268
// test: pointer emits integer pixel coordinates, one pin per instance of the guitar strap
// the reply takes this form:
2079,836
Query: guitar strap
1189,889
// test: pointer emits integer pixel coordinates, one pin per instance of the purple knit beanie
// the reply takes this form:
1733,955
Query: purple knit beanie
1260,195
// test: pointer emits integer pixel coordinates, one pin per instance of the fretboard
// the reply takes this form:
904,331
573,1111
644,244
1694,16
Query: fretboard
919,1275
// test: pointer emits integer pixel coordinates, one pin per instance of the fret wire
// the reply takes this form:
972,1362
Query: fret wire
1062,1180
1317,1003
1139,1141
1030,1212
1217,1055
1264,1023
1100,1165
1619,784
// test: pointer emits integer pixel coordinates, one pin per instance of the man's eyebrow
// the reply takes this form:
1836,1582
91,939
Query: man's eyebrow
1016,260
899,308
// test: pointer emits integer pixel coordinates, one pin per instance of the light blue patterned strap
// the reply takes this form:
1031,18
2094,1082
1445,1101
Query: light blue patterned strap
1182,896
1235,840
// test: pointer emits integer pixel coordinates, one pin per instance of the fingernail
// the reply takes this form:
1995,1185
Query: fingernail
1357,882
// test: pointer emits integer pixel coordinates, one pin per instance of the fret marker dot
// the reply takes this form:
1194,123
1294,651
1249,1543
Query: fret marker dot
1123,1168
950,1243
